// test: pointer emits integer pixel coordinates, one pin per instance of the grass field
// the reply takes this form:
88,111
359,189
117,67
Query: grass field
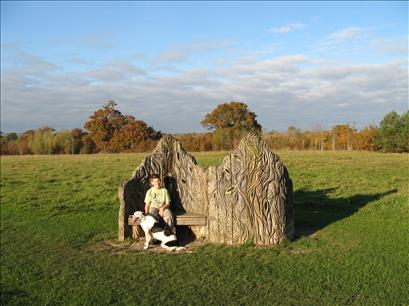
59,225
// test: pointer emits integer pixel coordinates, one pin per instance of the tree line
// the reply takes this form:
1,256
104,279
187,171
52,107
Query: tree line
108,130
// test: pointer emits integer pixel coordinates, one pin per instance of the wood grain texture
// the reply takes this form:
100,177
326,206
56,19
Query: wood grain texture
250,196
247,198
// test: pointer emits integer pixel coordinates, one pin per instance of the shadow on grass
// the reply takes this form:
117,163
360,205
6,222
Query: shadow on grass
185,235
7,296
314,210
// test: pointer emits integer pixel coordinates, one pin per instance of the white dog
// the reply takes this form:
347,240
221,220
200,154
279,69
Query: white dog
153,229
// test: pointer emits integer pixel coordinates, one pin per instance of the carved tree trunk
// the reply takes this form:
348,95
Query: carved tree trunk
130,200
250,197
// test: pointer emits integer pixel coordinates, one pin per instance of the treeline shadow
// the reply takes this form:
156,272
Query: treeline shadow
314,210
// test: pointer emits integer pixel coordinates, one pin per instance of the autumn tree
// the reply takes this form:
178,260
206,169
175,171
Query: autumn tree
23,142
112,131
341,134
63,142
89,145
9,144
69,142
295,138
223,138
42,141
365,138
103,124
230,122
4,145
134,136
196,141
77,143
234,115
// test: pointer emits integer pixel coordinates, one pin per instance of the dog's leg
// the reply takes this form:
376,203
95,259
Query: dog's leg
169,243
147,241
148,238
170,249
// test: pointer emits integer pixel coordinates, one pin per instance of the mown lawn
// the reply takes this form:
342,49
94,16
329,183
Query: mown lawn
59,217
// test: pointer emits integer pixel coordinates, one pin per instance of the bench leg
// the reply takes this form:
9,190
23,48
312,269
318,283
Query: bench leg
198,230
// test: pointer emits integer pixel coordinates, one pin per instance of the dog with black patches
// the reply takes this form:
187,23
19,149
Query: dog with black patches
154,229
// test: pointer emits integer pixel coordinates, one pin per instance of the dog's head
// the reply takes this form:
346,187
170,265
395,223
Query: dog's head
138,215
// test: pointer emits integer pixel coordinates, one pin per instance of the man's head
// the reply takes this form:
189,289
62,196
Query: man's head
155,181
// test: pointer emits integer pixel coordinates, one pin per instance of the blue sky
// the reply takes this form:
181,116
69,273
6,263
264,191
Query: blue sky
308,64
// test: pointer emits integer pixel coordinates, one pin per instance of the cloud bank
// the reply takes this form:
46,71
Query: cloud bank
171,92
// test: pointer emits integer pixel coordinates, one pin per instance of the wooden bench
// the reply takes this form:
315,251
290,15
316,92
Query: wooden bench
196,222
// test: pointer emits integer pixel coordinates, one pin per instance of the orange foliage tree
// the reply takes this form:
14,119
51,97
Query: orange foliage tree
113,132
364,140
102,125
342,137
135,136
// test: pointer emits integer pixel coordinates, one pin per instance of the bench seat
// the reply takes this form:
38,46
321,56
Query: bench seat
195,221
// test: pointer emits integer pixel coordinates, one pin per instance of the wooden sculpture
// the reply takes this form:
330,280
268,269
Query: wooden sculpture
247,198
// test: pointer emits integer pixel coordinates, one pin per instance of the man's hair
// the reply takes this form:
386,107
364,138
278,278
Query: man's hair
154,176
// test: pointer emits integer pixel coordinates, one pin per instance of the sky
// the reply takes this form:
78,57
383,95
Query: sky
311,65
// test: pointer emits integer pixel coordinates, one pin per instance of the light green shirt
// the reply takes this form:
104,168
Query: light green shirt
157,197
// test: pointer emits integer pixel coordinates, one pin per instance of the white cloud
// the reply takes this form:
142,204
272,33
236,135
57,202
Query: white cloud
344,35
347,34
31,65
287,28
390,45
115,71
184,52
292,89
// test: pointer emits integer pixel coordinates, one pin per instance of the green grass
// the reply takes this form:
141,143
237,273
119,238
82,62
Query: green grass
59,213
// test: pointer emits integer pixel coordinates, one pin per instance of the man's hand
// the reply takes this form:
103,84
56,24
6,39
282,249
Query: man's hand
161,211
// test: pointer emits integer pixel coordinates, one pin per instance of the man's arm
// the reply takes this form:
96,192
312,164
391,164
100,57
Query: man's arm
162,209
147,202
165,206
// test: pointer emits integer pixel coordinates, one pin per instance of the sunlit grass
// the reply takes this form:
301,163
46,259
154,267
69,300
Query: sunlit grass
59,212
